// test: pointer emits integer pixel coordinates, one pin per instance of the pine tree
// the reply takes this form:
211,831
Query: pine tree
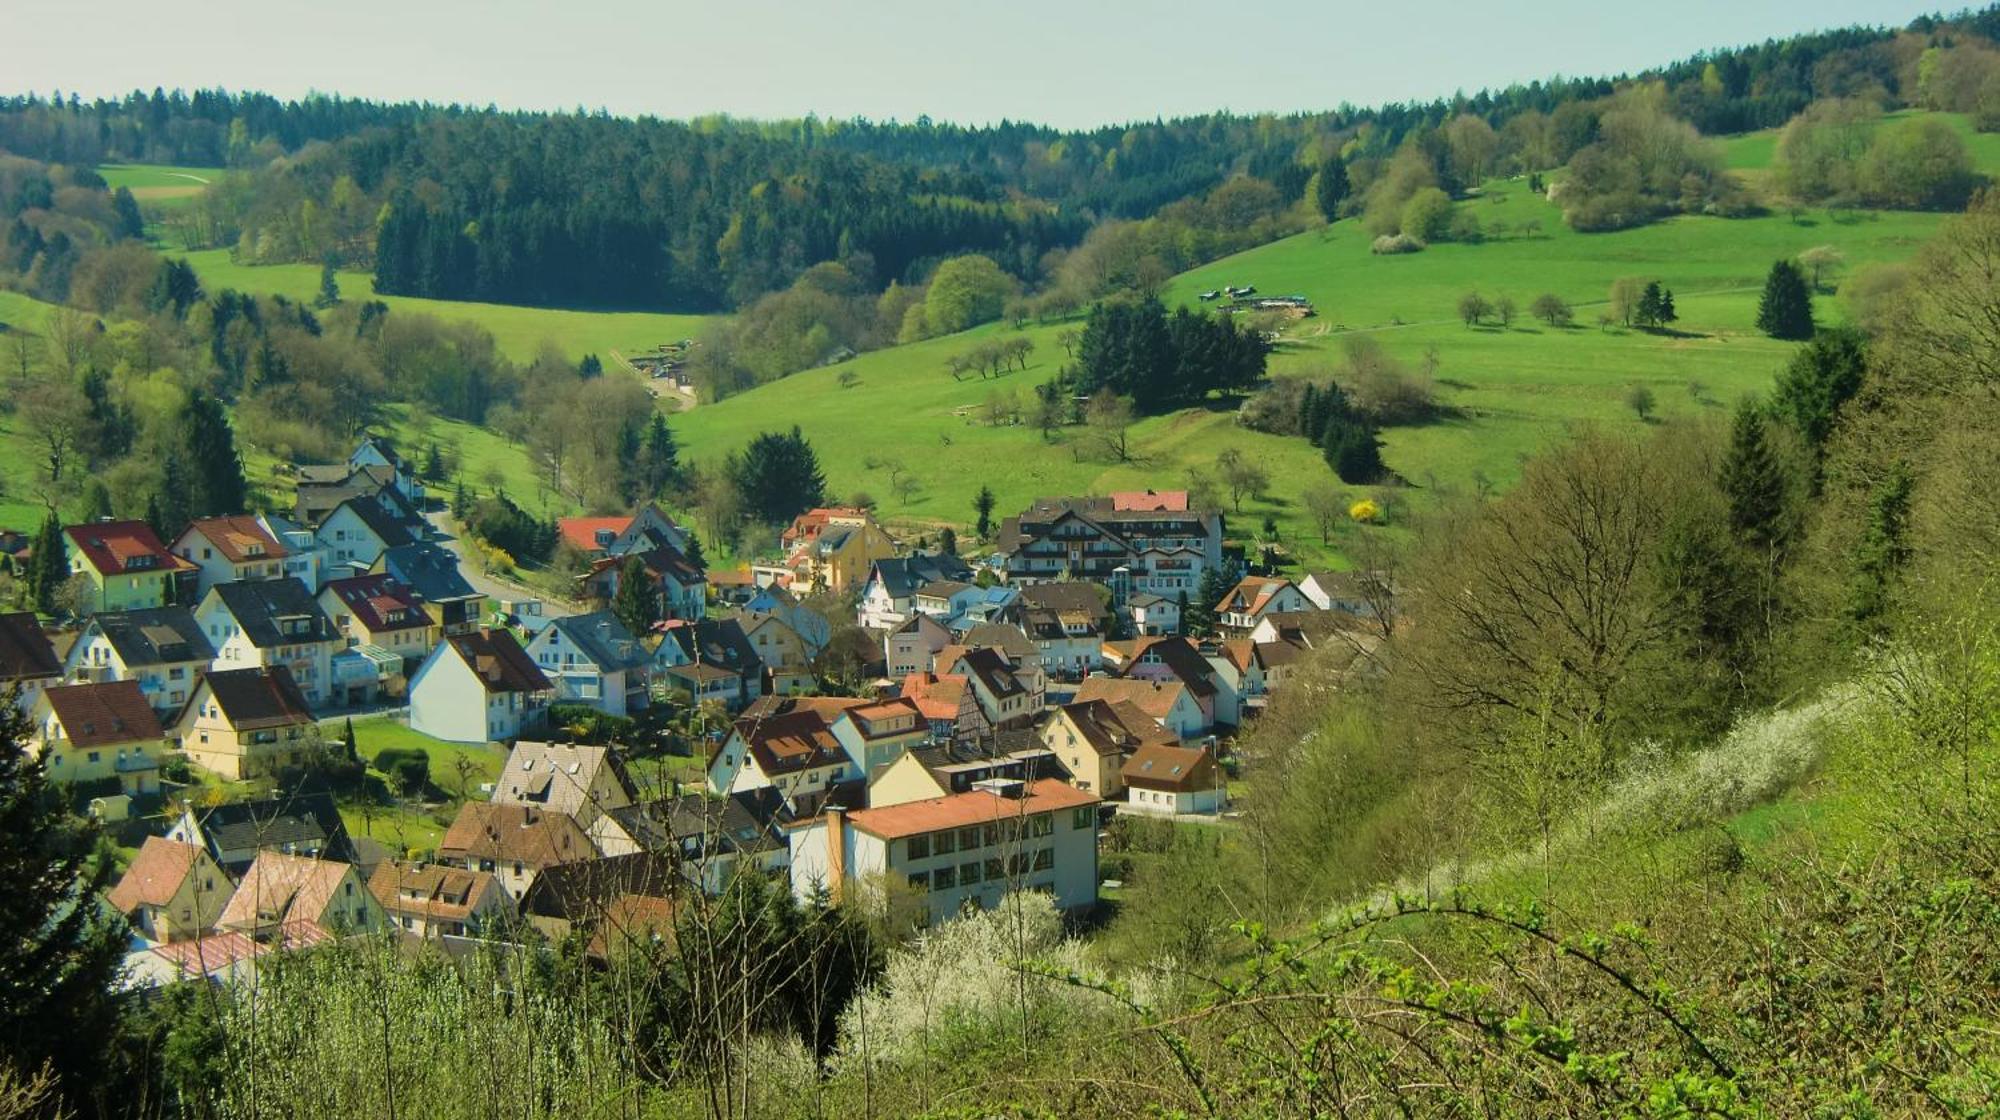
1668,315
637,603
1198,617
1330,187
96,501
1648,312
693,552
1821,377
48,565
329,288
948,541
1181,613
219,488
433,470
63,950
129,222
1753,481
1785,309
347,736
1354,451
1884,547
661,470
982,504
171,501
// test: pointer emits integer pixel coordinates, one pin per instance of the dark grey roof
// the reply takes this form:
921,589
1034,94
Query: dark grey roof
697,825
393,530
154,636
276,612
581,889
1071,595
603,639
307,819
719,642
256,698
25,652
903,575
429,571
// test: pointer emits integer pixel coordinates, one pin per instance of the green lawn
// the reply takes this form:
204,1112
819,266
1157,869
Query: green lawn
159,185
377,733
520,331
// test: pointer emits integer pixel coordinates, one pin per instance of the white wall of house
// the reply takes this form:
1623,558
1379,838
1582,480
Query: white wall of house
1167,803
577,678
310,662
449,701
94,660
347,539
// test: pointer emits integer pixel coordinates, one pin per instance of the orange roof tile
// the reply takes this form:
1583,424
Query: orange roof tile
972,807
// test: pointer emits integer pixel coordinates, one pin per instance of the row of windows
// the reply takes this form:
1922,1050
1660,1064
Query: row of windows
973,837
991,870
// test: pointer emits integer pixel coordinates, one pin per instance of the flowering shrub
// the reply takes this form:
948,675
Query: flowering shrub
1365,511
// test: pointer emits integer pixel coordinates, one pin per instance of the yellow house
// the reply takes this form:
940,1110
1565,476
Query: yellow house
91,732
244,723
833,549
786,662
127,565
172,892
1093,738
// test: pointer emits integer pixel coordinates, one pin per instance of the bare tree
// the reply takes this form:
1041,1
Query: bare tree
1110,418
1327,506
1240,476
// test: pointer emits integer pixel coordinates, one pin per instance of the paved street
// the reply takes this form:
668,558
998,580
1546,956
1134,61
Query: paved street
491,586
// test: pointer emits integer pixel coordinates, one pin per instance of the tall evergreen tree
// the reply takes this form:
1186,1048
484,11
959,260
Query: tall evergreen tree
693,552
637,603
982,505
660,462
1821,377
96,501
1330,187
1785,308
48,565
62,950
777,476
173,497
1198,617
1884,547
1353,449
217,481
329,287
1753,481
127,222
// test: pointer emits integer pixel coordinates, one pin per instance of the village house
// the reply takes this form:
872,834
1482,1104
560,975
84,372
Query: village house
928,773
229,549
431,573
1174,780
1131,542
712,839
268,623
583,782
1006,698
304,560
162,648
1152,615
812,627
280,893
1093,738
794,752
246,723
591,536
682,586
944,599
1256,597
428,901
1168,703
833,549
514,843
785,655
375,453
1007,639
1240,668
874,735
613,903
889,596
1361,594
948,704
964,849
911,646
710,660
478,687
95,732
300,823
387,631
126,565
172,891
1068,644
593,660
358,531
27,661
1176,660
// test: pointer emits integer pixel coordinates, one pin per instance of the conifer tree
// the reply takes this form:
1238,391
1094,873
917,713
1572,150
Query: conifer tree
1785,309
982,504
1821,377
1753,481
637,603
48,565
217,481
660,461
1884,547
329,287
171,502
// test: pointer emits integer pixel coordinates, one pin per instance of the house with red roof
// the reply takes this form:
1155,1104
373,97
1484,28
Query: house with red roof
1256,597
127,565
229,549
90,732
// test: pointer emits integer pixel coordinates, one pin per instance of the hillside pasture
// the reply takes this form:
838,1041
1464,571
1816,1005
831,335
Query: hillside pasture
159,185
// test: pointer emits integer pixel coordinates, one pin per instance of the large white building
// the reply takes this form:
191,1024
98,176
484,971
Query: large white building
963,849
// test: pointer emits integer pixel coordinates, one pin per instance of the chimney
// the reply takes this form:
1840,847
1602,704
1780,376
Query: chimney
836,850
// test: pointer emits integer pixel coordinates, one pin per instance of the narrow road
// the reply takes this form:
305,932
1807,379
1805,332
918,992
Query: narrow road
493,587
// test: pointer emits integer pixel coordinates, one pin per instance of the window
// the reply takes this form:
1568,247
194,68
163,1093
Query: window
995,872
989,834
1041,824
919,847
968,839
1085,817
1045,858
921,881
944,878
1017,864
945,842
968,873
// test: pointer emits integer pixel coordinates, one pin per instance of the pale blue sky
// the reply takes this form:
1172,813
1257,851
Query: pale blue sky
1064,62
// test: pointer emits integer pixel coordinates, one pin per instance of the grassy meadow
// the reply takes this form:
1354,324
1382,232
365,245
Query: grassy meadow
153,184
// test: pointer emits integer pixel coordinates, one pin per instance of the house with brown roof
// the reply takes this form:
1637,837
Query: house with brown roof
582,781
91,732
127,565
514,843
478,687
273,622
949,705
172,891
963,849
1176,659
874,735
162,648
1008,698
427,900
616,902
786,657
1093,738
246,723
794,751
27,660
1256,597
1168,703
281,893
1137,542
229,549
1174,780
681,583
910,647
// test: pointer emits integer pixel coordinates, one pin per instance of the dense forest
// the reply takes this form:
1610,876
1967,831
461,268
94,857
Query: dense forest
576,209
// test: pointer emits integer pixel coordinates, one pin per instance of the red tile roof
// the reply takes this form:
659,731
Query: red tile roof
98,715
580,533
238,538
157,872
499,661
972,807
1171,501
375,599
117,547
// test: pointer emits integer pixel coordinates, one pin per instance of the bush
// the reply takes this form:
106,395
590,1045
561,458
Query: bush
1427,215
409,768
1365,511
1391,243
586,724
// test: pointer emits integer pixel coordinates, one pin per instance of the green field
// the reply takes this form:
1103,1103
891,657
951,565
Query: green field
1509,391
520,331
155,185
